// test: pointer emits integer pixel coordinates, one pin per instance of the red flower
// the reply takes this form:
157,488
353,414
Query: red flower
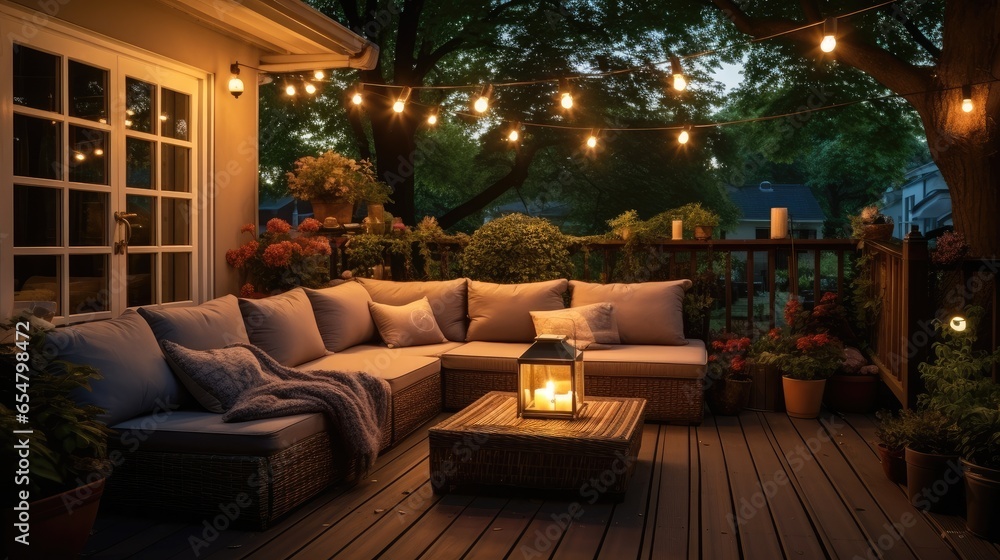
309,225
248,228
279,254
792,308
829,297
246,290
774,334
738,364
277,225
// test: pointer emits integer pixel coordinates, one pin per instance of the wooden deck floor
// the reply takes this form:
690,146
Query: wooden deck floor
758,486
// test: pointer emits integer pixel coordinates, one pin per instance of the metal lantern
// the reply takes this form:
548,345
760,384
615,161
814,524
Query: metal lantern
550,379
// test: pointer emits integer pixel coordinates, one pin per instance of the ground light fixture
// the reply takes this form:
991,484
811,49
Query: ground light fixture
829,41
958,323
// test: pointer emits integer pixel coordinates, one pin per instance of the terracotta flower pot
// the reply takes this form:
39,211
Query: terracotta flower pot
342,211
851,393
934,482
703,233
982,501
727,397
893,463
803,398
60,524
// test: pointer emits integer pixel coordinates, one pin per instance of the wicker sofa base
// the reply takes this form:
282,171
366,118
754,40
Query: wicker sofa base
415,405
668,400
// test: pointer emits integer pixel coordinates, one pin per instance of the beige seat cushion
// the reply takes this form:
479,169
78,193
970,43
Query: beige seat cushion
284,326
485,356
342,315
412,324
501,312
631,360
447,299
185,431
646,313
425,350
399,370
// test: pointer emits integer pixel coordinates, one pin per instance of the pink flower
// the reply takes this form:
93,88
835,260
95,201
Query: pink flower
248,228
278,254
246,290
277,225
309,225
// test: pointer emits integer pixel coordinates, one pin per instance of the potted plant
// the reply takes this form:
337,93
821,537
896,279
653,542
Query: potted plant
871,223
334,184
933,474
280,259
728,383
980,449
59,495
854,387
892,434
703,219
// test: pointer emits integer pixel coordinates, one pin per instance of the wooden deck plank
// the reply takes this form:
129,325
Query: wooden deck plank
465,531
124,527
386,503
914,529
140,541
967,545
628,523
543,534
505,531
422,534
585,533
827,510
670,501
752,518
877,526
718,540
656,477
389,526
694,496
792,524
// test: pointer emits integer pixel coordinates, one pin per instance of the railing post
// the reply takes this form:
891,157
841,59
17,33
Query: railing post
916,309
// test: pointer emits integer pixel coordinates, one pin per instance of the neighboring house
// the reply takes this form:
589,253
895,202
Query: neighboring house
923,200
123,106
755,203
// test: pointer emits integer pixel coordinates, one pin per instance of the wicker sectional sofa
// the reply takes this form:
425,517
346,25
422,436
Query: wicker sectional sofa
174,457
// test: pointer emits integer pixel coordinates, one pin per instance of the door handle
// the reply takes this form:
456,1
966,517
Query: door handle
121,247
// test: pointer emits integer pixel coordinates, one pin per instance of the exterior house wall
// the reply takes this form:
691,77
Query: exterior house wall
231,177
921,182
747,229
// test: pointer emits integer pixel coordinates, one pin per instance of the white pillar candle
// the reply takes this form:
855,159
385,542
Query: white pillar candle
545,398
678,232
564,401
779,223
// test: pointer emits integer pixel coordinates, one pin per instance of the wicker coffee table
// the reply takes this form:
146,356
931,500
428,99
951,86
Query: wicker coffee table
487,444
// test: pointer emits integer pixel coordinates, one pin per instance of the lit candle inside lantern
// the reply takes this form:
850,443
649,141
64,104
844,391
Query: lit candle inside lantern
564,401
678,232
545,399
779,223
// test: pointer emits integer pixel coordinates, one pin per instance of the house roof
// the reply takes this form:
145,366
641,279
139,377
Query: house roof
756,202
297,36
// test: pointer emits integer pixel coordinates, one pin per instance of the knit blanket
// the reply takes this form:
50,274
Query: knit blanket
355,403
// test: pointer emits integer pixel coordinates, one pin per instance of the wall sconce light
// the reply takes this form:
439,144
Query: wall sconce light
235,83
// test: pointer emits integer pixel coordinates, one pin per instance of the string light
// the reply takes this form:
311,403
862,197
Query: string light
79,156
290,89
163,117
357,99
566,94
592,139
400,103
310,88
684,136
432,117
319,74
514,135
967,105
677,74
829,41
482,103
98,152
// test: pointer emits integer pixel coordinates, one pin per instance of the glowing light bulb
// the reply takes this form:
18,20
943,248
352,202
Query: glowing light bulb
79,156
482,104
98,152
398,106
319,74
289,89
683,137
102,120
163,117
567,101
357,99
432,119
828,44
592,142
514,136
310,89
958,323
128,123
680,82
967,105
129,112
829,41
236,86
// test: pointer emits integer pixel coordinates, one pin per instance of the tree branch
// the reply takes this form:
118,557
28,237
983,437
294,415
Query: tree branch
350,8
915,32
406,41
513,179
359,133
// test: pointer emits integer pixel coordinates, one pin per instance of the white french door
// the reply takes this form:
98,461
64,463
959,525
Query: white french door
101,191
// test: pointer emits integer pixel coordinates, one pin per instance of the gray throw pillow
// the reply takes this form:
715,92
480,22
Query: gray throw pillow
135,379
342,315
590,327
213,324
500,312
284,326
412,324
217,377
646,313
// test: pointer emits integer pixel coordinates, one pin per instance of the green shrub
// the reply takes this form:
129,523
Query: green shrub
517,248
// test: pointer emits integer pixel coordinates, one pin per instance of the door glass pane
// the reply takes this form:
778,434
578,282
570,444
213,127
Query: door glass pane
88,215
88,155
140,279
139,164
36,79
37,217
176,277
176,114
140,98
37,147
176,228
88,92
36,278
142,225
175,173
88,283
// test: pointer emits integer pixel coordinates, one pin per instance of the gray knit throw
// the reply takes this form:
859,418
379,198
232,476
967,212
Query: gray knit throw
354,402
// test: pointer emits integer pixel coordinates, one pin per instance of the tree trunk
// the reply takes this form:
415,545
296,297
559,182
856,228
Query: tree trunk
395,154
